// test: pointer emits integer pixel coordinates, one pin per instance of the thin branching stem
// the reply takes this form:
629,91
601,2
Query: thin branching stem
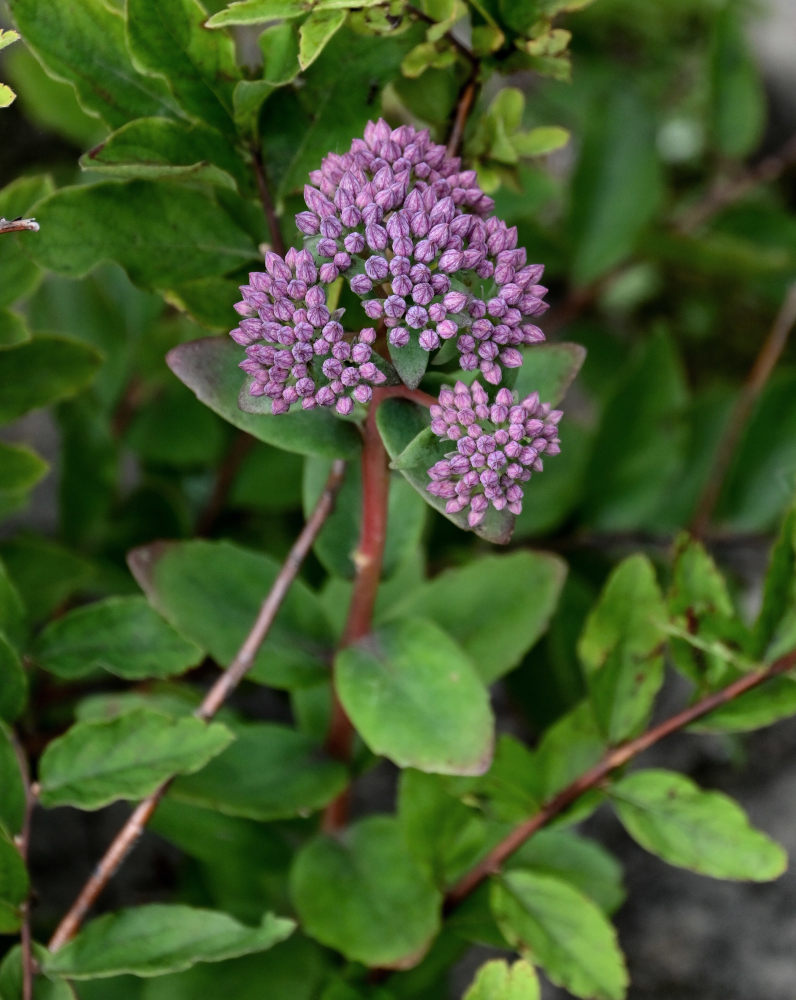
23,846
128,836
267,201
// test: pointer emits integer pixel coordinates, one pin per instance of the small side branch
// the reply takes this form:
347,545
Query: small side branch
128,836
19,226
614,759
764,365
264,190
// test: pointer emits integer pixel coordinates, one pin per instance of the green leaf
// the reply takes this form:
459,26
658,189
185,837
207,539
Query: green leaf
316,32
122,635
577,860
163,149
13,885
706,832
7,96
400,423
18,274
540,141
247,99
151,940
8,37
339,537
168,39
20,468
292,777
175,429
364,895
497,980
95,763
415,697
84,44
621,648
256,11
41,372
561,929
211,592
737,99
162,234
44,574
12,329
549,369
13,682
616,189
280,48
12,610
11,977
770,637
567,749
496,607
12,799
772,701
210,368
410,362
551,498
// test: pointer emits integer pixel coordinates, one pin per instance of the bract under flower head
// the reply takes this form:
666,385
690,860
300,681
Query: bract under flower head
498,446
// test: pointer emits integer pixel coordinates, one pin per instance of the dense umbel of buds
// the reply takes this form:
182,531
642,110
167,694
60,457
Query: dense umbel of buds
498,446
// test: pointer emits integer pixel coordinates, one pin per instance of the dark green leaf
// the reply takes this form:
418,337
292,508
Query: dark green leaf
549,369
279,46
175,429
316,32
162,234
151,940
12,328
496,607
18,274
247,99
95,763
706,832
410,362
621,648
771,636
563,931
13,885
43,371
164,149
12,610
211,593
551,498
364,895
738,100
210,368
497,980
167,38
20,468
44,573
13,682
84,43
122,635
415,697
292,776
12,797
617,186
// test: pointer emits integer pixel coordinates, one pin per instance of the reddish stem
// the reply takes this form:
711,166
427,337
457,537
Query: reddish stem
368,559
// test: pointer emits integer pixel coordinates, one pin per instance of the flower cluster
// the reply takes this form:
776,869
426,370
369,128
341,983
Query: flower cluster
498,446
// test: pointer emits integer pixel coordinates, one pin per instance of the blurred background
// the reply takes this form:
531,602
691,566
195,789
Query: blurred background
667,228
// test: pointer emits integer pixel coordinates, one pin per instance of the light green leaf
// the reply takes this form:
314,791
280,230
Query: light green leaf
11,978
774,629
621,648
8,37
41,372
247,99
495,607
13,682
13,884
211,593
617,186
20,468
540,141
163,149
292,776
566,750
364,895
95,763
83,43
497,980
7,96
122,635
12,329
706,832
316,32
151,940
415,697
256,11
162,234
280,48
167,38
12,798
737,99
555,925
210,368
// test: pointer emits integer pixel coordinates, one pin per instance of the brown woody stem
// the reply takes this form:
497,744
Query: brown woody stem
614,759
128,836
19,226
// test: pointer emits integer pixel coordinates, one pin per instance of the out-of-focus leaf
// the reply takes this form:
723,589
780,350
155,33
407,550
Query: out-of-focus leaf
164,149
162,234
20,468
497,980
13,885
84,43
415,697
706,832
549,369
365,895
167,38
617,186
12,800
175,429
552,495
564,931
44,572
211,593
496,607
280,48
122,635
18,274
622,648
13,682
269,772
541,140
41,372
210,368
738,101
12,329
95,763
11,977
150,940
771,636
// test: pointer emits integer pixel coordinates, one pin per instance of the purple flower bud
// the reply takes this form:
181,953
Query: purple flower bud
399,337
308,223
354,243
361,284
376,268
428,340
